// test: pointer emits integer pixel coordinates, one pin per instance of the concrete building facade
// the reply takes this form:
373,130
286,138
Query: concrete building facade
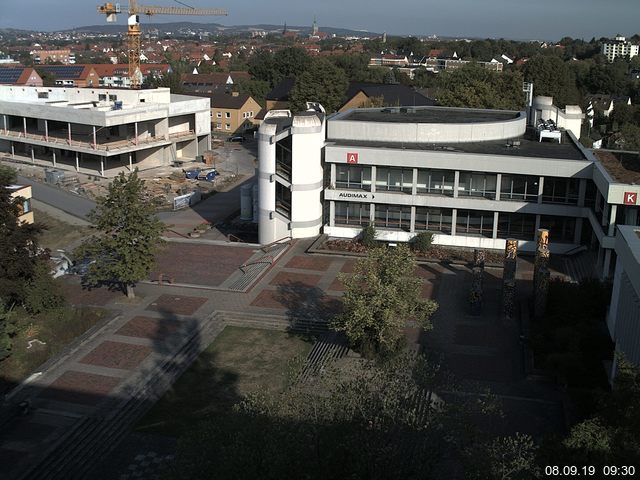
472,177
23,192
619,47
101,130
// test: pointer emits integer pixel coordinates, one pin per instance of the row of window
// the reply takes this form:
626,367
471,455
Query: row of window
218,126
468,222
228,114
471,184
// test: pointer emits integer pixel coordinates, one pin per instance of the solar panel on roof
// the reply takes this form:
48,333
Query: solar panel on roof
10,75
64,72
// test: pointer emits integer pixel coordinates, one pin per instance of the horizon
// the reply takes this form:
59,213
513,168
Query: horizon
579,19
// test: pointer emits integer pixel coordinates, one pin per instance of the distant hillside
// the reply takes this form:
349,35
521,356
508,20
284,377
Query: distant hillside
218,28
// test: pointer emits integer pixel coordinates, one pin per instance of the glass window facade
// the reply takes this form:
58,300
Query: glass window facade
394,179
474,223
433,220
472,184
283,200
436,182
560,190
516,225
523,188
561,229
351,213
395,217
353,177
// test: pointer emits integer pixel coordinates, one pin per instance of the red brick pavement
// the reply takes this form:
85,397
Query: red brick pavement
147,327
348,266
337,285
117,355
288,278
199,264
269,299
177,304
309,263
77,295
80,387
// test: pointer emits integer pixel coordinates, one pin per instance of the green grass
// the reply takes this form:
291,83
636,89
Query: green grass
239,361
57,329
59,234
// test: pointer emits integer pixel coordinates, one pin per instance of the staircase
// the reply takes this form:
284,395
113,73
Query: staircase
96,435
330,346
243,278
306,326
581,267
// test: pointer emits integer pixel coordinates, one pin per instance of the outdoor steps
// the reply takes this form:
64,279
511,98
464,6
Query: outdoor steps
330,346
95,436
274,322
245,276
581,267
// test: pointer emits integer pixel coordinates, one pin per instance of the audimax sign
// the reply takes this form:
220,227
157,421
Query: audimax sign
361,196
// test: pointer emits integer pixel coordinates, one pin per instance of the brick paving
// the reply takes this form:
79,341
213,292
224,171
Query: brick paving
199,264
117,355
76,295
80,387
149,327
309,263
289,278
177,304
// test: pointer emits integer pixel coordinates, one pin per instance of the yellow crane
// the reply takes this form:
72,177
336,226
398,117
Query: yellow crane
133,30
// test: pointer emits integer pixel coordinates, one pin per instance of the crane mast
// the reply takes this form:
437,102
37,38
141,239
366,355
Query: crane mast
134,32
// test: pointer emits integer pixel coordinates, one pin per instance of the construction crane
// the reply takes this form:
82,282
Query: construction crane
133,30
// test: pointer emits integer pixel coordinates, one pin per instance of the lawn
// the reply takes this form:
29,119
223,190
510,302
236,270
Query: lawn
238,362
59,234
56,329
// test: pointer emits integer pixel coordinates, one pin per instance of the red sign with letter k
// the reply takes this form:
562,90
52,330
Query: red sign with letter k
630,198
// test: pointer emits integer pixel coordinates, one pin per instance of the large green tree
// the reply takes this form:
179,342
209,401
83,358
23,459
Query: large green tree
129,235
381,295
552,77
322,82
476,87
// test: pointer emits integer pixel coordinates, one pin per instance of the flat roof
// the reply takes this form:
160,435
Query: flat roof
428,115
529,147
624,167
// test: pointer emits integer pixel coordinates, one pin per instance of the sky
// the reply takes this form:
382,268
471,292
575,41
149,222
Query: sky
514,19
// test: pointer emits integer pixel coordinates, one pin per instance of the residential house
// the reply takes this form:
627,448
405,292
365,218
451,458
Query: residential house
72,75
219,82
20,76
360,94
25,213
232,112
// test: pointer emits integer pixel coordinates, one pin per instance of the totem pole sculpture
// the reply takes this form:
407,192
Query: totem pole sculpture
541,273
475,295
509,278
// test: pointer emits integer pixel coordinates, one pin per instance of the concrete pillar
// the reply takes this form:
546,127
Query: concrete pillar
414,189
332,213
54,157
498,185
535,235
5,123
266,187
46,130
69,131
577,235
607,264
77,163
372,213
454,220
582,192
13,152
540,189
456,185
130,163
373,178
102,166
495,225
24,125
135,132
33,155
412,227
613,211
332,176
95,139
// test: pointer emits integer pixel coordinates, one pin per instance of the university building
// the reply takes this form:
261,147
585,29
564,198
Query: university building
102,131
472,177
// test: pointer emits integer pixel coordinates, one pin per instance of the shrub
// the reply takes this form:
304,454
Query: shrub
422,242
368,236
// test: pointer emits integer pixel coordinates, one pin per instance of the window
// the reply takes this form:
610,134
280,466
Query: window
219,126
352,177
474,223
560,190
227,126
436,182
283,200
394,179
227,115
561,229
250,114
523,188
477,185
43,94
433,219
396,217
219,114
515,225
351,213
113,98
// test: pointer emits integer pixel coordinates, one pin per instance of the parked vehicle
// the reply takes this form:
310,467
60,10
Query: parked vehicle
236,138
208,175
192,174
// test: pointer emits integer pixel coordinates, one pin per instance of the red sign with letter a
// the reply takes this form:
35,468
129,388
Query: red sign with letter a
352,157
630,198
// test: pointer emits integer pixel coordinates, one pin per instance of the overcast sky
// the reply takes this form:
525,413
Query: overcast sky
518,19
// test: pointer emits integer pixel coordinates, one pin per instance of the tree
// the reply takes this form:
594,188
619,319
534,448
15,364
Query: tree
172,80
422,242
368,236
503,458
552,77
7,331
258,89
322,82
476,87
381,295
129,235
